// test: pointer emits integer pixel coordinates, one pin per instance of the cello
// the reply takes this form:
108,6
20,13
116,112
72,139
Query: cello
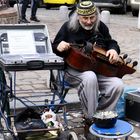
96,60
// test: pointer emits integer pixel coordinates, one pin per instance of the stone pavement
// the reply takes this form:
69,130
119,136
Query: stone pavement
123,28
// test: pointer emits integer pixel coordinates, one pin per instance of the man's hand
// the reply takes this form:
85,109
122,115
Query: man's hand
63,46
113,56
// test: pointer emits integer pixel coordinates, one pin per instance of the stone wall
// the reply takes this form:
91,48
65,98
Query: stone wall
8,16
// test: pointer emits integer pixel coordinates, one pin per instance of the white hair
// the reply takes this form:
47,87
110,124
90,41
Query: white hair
74,21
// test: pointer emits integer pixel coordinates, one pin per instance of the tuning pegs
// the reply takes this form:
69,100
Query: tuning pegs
128,60
135,63
125,56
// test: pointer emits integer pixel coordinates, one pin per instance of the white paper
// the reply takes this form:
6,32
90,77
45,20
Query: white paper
21,42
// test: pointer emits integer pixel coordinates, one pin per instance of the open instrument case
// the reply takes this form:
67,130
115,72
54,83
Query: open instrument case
26,47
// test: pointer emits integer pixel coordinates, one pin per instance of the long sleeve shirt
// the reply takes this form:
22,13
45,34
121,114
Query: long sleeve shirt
103,36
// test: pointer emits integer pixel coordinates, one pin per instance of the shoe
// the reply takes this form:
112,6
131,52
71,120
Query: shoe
88,121
34,19
24,20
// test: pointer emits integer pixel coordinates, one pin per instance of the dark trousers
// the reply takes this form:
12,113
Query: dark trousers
24,8
34,6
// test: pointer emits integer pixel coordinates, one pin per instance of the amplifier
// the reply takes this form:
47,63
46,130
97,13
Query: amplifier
132,106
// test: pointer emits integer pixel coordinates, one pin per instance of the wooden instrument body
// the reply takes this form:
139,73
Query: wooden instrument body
97,62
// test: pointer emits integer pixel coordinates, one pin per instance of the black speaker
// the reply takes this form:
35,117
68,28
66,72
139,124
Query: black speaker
132,106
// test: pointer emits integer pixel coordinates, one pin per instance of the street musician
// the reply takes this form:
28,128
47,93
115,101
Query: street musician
96,91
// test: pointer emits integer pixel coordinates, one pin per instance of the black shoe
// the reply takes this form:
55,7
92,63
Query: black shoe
89,121
34,19
25,20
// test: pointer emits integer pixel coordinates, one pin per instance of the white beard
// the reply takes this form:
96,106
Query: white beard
86,27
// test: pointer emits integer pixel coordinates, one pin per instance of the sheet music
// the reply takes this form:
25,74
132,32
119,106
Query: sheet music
21,42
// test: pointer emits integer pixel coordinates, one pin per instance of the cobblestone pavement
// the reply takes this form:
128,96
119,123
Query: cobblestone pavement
123,28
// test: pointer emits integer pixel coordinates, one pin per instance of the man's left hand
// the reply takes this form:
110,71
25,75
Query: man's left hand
113,56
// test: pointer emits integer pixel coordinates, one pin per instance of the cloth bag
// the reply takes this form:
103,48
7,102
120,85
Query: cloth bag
28,119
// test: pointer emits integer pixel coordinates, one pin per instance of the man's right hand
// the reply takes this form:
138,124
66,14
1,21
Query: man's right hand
63,46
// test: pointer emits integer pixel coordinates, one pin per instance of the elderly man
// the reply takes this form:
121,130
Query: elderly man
96,92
